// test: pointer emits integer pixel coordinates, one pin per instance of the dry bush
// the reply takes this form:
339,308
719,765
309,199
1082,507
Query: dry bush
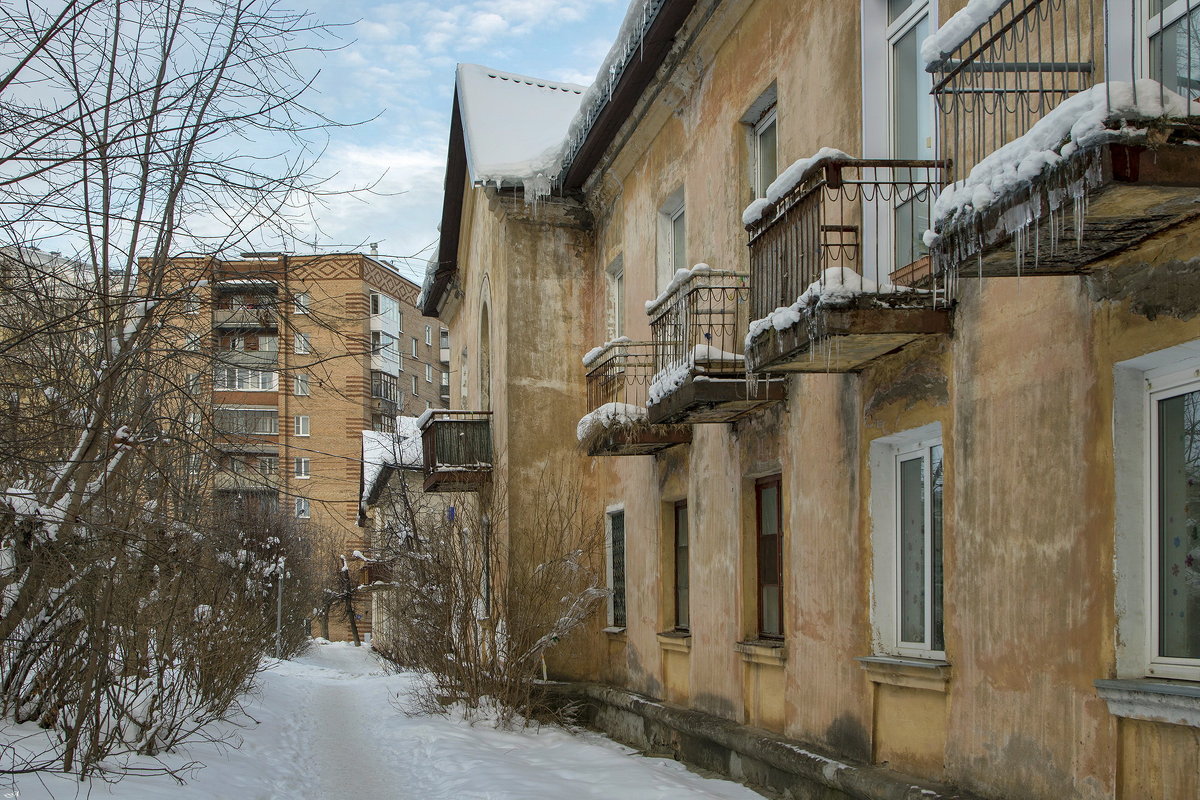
481,596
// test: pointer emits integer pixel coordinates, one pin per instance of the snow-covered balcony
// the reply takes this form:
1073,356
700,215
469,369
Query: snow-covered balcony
457,449
838,268
698,325
618,384
1054,171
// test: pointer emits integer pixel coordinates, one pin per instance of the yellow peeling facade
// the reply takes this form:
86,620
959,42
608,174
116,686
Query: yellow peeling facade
1037,400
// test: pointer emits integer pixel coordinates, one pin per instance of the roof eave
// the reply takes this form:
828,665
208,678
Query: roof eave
452,206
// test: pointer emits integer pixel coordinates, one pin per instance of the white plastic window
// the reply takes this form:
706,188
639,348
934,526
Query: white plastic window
300,425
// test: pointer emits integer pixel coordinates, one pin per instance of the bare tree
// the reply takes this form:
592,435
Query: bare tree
132,608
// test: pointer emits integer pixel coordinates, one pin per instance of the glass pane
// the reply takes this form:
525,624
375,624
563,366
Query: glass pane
681,567
1178,525
912,550
771,624
768,162
1175,55
618,568
678,241
937,639
768,503
912,106
896,8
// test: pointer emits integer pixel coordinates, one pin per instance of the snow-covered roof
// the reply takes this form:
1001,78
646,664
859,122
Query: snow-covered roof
399,450
513,125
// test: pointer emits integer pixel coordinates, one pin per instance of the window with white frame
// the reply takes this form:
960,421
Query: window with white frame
615,534
907,480
429,334
414,347
414,385
300,303
302,508
243,379
895,79
762,126
302,344
615,275
302,467
268,465
429,373
300,386
1172,44
191,342
300,425
1156,432
672,238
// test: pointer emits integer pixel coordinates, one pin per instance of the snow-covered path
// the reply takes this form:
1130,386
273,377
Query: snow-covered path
327,726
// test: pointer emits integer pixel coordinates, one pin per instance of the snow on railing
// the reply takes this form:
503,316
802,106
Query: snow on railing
456,440
849,226
698,328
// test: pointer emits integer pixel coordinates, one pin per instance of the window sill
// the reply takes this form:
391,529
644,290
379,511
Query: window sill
912,673
1172,702
615,630
767,652
675,641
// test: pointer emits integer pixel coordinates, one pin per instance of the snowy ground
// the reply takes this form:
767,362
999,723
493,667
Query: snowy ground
328,727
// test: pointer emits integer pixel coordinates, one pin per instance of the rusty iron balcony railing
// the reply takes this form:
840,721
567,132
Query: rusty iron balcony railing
1013,69
842,255
1033,193
698,325
457,450
618,383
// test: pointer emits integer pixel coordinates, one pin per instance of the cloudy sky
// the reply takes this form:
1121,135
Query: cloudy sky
397,67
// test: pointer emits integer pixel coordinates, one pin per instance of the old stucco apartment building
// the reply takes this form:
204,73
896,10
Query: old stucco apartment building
892,513
307,352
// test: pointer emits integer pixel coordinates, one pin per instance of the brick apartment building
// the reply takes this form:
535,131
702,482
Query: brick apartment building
308,352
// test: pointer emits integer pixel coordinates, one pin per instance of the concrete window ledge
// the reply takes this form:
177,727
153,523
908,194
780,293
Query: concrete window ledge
913,673
678,641
615,631
769,652
1172,702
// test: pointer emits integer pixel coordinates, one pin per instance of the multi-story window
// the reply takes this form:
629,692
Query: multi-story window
384,386
243,379
907,474
301,344
769,552
300,385
301,465
300,425
680,550
246,421
301,302
616,568
302,508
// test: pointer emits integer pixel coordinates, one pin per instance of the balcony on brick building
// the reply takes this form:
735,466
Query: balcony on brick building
839,274
1053,170
457,449
698,325
618,382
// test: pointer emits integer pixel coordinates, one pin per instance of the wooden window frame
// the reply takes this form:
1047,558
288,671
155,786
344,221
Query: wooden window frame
683,623
759,486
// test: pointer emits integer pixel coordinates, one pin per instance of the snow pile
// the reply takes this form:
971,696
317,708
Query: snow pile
946,39
789,179
681,277
514,126
837,286
702,358
401,449
1082,120
608,416
593,355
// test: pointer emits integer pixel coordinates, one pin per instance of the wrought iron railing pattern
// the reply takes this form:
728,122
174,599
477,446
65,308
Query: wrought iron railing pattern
702,324
621,373
866,216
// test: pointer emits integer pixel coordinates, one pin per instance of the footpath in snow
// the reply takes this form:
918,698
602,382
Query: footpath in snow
327,726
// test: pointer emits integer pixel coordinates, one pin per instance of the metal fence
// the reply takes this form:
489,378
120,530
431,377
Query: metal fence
621,373
701,325
864,219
